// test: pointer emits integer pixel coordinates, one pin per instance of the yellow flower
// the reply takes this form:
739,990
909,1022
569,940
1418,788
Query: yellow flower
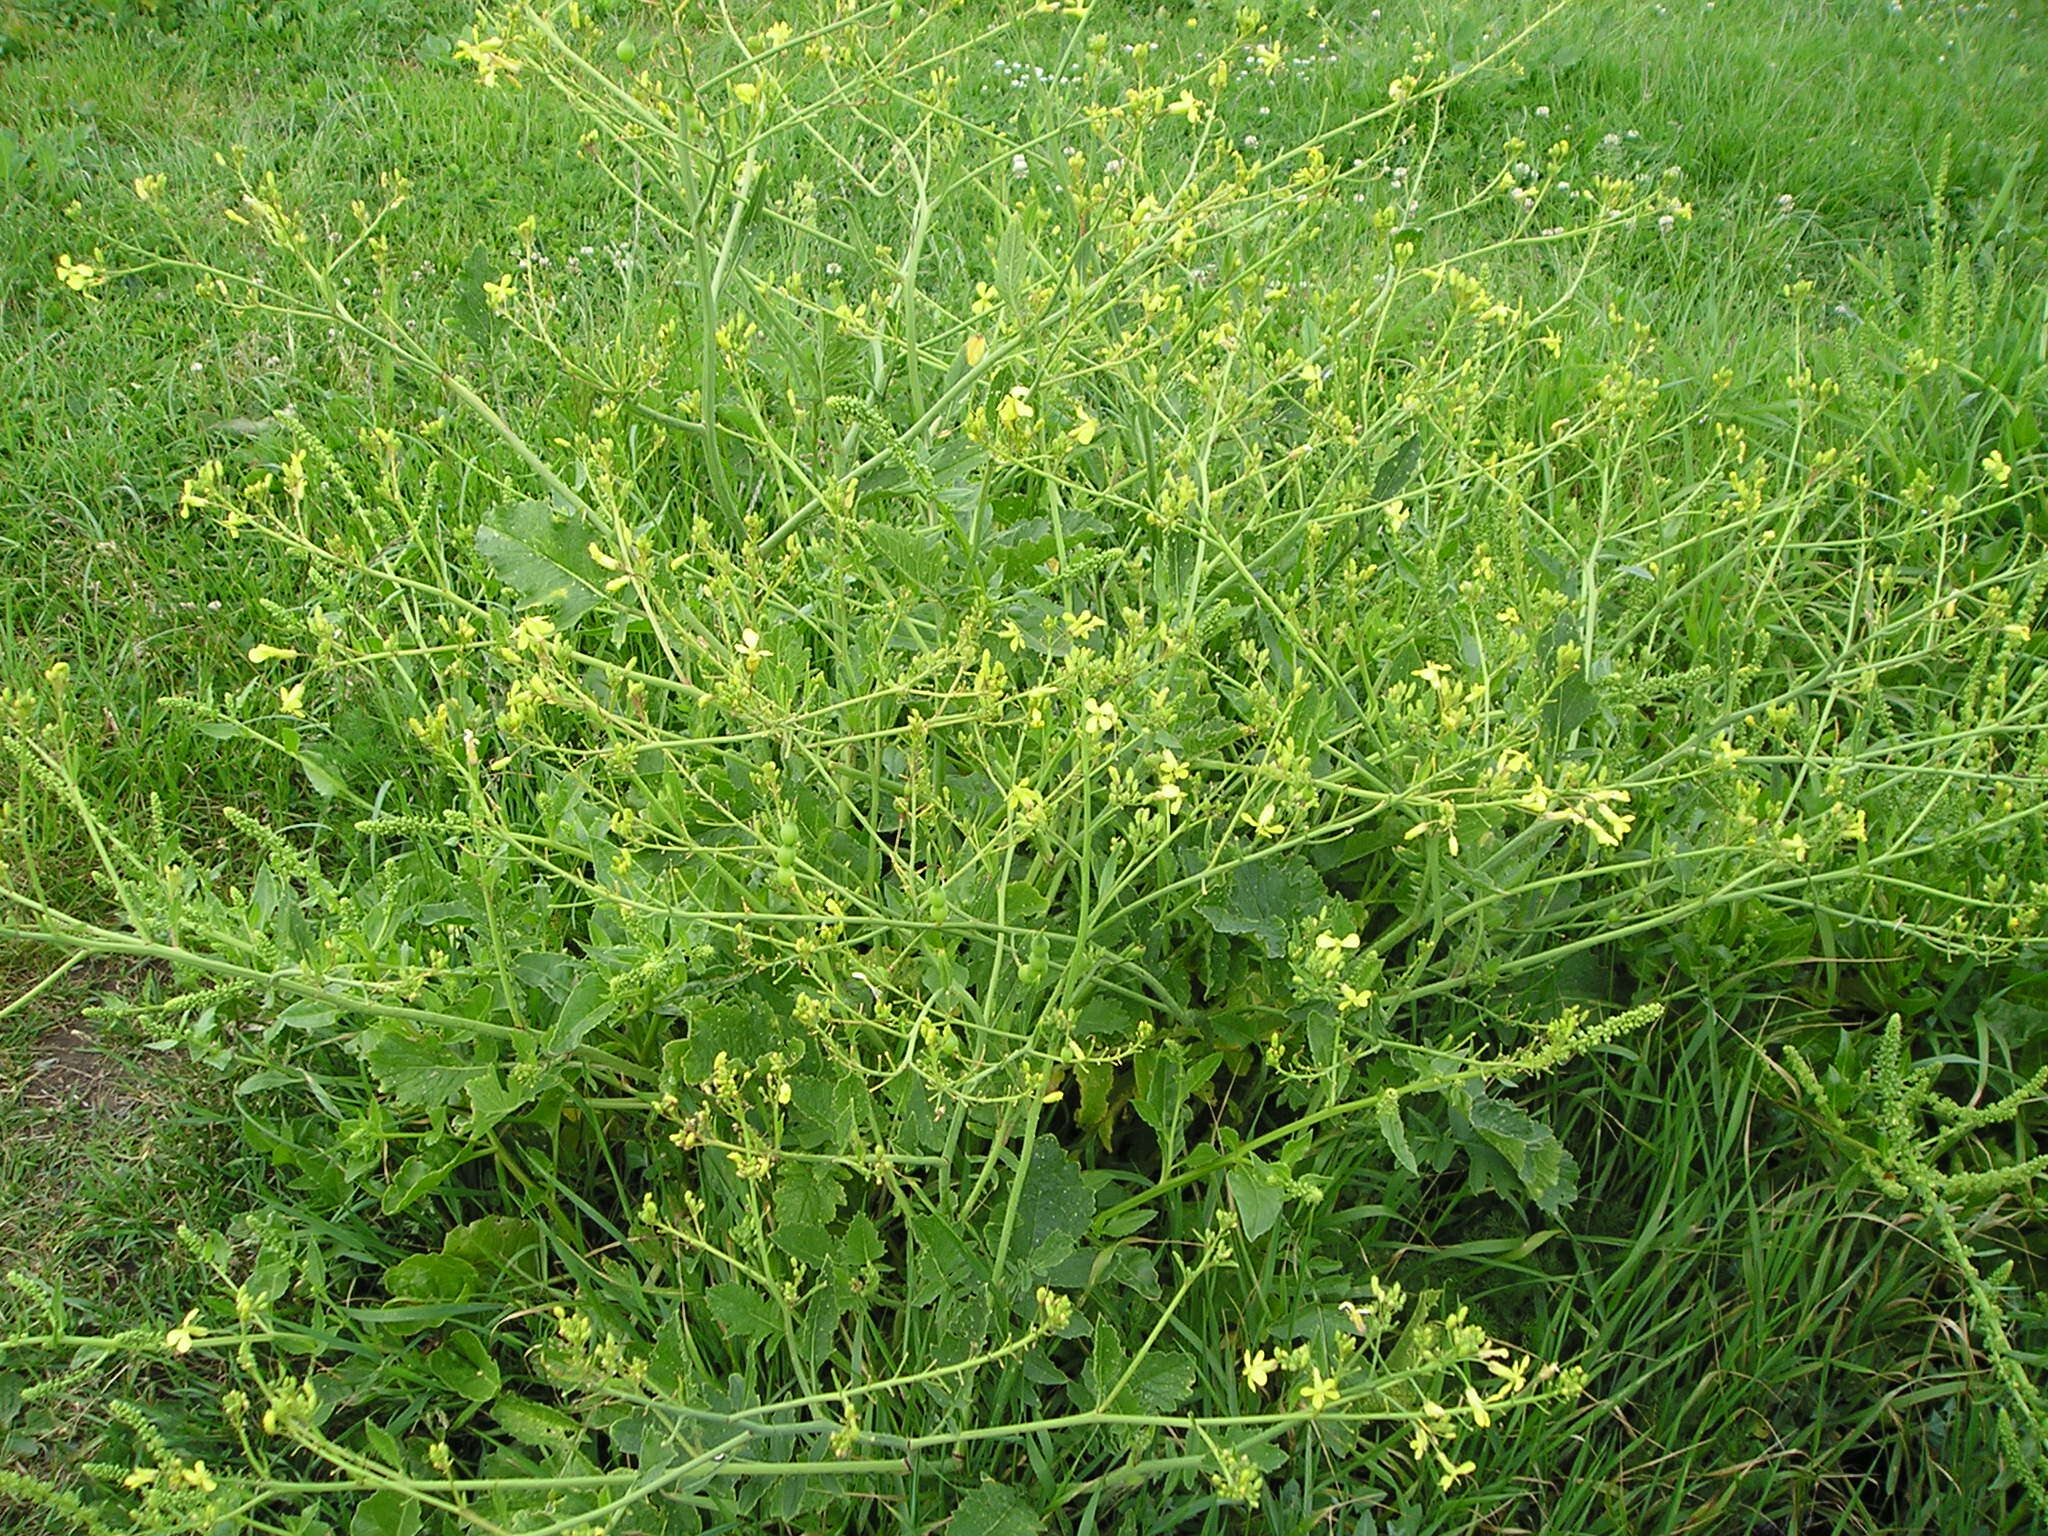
259,654
1267,823
1015,407
751,650
1481,1417
78,276
1321,1392
977,349
179,1340
500,293
1996,470
292,700
1098,717
1085,429
1188,106
491,60
147,187
1452,1471
1258,1369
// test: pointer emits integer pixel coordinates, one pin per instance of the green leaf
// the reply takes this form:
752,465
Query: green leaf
471,308
743,1312
808,1193
1160,1383
419,1176
492,1244
588,1005
320,772
1255,1191
1398,470
385,1513
1054,1208
543,556
993,1510
537,1424
1549,1174
1395,1132
430,1277
463,1365
1265,899
420,1072
491,1100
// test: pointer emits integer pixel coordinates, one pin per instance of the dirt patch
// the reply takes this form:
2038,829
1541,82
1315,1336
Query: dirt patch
63,1060
67,1069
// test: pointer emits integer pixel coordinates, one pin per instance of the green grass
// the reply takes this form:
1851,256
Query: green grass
1716,520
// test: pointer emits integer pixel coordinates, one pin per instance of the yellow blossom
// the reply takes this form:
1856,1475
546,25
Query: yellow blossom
259,654
1452,1471
1321,1392
492,62
79,276
291,700
1015,407
976,350
179,1340
1267,823
1188,106
147,187
1258,1369
1098,717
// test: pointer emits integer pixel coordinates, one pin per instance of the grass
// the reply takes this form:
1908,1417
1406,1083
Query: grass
761,989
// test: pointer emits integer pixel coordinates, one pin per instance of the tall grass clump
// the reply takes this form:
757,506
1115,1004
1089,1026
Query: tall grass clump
931,812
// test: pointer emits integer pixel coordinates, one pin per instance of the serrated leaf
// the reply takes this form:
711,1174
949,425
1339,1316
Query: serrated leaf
807,1193
491,1100
1548,1173
544,556
1395,1131
1054,1208
743,1312
1099,1102
993,1510
422,1073
538,1424
419,1176
1160,1383
1263,900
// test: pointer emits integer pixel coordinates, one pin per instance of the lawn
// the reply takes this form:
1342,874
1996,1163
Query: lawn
1102,769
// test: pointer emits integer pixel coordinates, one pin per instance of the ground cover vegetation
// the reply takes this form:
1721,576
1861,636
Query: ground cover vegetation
1001,769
